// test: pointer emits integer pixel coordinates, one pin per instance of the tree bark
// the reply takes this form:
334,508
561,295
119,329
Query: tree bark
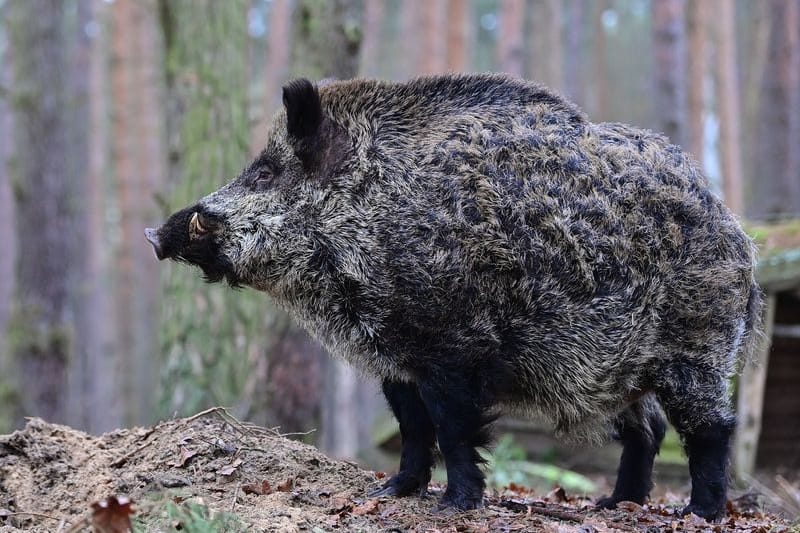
545,55
670,67
575,60
729,104
277,68
346,419
7,236
140,164
457,35
698,66
48,198
775,187
374,14
327,38
432,51
600,109
510,41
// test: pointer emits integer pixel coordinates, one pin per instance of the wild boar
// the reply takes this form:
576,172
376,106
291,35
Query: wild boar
478,245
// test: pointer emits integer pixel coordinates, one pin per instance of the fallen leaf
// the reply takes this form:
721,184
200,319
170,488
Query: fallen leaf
631,507
558,494
186,454
339,502
229,469
286,486
112,515
380,475
368,507
259,489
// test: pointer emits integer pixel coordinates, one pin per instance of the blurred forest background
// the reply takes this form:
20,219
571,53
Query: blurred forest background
114,113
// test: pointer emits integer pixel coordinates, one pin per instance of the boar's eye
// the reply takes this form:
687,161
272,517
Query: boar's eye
262,180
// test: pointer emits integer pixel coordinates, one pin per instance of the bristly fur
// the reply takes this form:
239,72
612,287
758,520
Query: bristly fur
476,243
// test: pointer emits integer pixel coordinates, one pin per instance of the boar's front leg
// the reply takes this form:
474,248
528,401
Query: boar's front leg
418,436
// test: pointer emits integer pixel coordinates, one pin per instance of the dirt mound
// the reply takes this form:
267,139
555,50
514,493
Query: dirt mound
50,475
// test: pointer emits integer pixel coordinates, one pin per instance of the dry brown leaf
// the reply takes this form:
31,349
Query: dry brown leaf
631,507
286,486
260,489
112,515
229,469
368,507
186,454
558,494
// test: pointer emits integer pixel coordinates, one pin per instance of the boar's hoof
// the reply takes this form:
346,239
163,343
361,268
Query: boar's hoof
711,514
607,502
610,502
401,485
452,501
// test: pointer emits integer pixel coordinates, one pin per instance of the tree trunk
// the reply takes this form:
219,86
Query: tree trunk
48,198
546,46
327,38
346,418
277,68
670,68
729,106
374,14
576,31
775,186
600,109
698,65
432,51
140,164
7,236
457,35
510,41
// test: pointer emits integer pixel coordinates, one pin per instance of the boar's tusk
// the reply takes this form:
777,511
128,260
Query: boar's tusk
194,224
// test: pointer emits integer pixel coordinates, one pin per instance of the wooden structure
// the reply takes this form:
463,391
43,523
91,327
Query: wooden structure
769,390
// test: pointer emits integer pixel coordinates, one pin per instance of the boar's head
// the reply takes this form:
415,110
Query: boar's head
260,228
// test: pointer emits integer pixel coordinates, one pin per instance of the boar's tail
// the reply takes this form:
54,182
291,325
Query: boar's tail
753,326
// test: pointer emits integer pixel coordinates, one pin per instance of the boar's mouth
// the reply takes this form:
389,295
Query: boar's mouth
188,237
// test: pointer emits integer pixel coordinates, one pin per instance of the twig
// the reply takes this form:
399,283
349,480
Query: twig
122,460
84,522
28,513
545,511
557,513
235,495
204,413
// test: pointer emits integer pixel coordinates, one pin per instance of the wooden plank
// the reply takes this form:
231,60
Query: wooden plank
751,399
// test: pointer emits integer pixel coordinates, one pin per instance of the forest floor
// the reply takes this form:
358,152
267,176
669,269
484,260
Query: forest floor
211,472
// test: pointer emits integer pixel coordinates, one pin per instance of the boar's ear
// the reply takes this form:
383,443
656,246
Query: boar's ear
303,110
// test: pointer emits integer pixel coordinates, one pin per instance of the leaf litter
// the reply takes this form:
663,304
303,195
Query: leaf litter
56,479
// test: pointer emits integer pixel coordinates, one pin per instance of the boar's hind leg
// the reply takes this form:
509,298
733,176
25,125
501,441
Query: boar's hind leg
418,436
459,414
640,429
697,405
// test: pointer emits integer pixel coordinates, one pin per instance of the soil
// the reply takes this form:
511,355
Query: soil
56,479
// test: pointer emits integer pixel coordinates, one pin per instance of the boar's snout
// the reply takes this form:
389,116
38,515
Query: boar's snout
152,236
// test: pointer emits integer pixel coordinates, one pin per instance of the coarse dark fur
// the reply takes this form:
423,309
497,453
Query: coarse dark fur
478,245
